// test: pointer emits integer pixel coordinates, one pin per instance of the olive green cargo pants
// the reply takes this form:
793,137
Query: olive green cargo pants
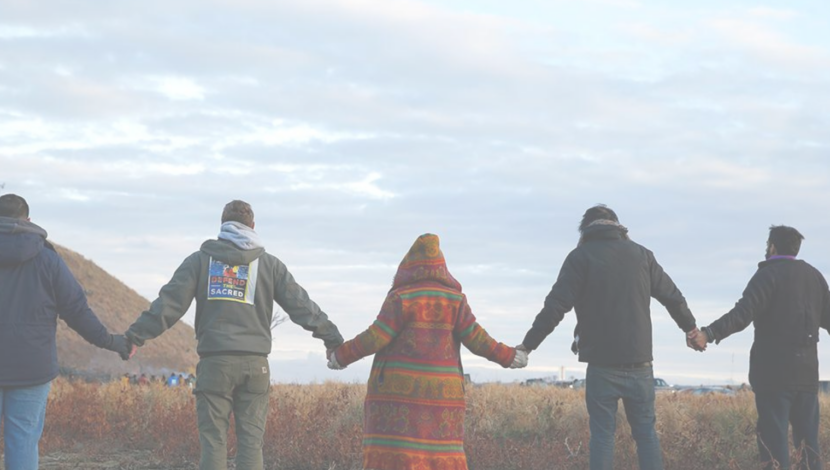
237,384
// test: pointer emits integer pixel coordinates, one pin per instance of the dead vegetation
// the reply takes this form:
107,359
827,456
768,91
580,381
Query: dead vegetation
318,427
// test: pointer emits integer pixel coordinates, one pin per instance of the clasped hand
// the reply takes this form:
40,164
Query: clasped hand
520,360
332,357
122,345
697,340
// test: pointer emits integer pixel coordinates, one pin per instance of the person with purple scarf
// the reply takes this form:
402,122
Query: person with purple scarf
787,300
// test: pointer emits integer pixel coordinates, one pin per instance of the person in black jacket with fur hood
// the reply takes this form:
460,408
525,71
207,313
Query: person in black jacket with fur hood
788,301
609,281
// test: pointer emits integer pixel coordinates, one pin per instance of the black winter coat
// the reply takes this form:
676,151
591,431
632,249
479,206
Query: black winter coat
36,288
788,301
609,281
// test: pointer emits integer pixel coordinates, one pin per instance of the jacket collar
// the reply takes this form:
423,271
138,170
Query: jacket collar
603,232
776,260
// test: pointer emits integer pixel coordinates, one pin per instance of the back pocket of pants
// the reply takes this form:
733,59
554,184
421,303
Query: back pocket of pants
260,378
213,376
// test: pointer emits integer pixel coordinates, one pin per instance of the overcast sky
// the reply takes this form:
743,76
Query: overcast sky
353,126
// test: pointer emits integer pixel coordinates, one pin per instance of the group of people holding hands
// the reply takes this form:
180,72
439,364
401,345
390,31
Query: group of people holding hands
414,407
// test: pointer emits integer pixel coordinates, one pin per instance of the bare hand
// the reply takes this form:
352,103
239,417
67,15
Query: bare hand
697,340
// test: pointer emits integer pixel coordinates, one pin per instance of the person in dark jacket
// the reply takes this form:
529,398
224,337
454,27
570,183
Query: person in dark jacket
36,288
609,281
235,283
788,301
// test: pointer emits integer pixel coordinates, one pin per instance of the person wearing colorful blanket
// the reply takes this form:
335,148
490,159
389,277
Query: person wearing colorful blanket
414,407
36,289
787,300
235,283
609,281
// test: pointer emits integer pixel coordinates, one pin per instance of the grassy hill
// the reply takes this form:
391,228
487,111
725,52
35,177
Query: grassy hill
117,306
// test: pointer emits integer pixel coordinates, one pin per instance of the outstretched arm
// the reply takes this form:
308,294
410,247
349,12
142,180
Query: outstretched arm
666,292
476,339
559,301
754,299
173,301
73,307
385,328
302,310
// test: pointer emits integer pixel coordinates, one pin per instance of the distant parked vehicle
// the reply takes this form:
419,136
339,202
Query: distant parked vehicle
551,382
578,384
661,385
536,382
702,391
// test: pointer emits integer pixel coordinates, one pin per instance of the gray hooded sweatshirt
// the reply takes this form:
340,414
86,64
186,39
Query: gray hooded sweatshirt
235,290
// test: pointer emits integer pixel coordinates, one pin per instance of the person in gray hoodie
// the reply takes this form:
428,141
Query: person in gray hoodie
235,283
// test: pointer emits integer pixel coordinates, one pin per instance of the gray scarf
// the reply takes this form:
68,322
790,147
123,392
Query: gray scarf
240,235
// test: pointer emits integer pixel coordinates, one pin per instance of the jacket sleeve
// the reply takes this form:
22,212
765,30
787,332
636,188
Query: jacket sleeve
73,307
476,339
386,327
754,299
560,300
302,310
825,313
666,292
173,301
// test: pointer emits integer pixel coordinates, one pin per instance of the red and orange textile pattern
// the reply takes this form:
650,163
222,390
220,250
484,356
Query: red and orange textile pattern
414,408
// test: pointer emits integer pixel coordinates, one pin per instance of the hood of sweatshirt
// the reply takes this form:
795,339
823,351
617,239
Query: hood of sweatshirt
425,262
227,252
20,241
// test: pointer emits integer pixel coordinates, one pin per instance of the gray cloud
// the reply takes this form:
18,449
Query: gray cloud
353,127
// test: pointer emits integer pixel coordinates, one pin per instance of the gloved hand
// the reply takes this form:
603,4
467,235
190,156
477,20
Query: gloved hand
520,360
122,345
333,364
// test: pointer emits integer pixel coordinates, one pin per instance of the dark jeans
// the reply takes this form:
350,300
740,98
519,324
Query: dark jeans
604,387
776,411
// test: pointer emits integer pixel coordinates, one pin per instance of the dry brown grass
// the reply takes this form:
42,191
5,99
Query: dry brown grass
318,427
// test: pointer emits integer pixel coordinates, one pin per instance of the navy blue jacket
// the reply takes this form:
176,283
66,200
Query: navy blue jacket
787,301
37,288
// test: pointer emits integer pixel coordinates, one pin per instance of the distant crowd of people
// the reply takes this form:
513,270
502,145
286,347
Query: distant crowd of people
414,408
173,380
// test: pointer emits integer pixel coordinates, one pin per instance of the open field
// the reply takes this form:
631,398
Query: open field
318,427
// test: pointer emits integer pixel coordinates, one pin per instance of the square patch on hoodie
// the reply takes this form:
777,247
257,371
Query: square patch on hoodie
232,283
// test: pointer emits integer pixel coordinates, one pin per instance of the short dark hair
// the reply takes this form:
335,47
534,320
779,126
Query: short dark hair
787,240
598,212
238,211
12,205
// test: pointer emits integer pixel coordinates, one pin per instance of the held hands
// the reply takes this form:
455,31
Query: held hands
332,357
520,360
133,350
697,340
121,345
